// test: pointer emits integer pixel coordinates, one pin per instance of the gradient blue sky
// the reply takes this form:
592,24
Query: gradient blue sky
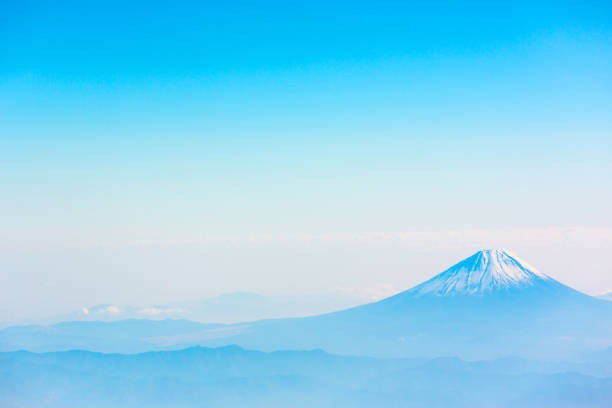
174,124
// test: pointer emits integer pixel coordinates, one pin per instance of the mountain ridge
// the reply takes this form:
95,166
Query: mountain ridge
232,376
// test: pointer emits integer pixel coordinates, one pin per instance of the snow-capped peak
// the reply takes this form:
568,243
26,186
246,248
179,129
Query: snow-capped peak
486,271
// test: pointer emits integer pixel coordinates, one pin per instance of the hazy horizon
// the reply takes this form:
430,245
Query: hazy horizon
374,250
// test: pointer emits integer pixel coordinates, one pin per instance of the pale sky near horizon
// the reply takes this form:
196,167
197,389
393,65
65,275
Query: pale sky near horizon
166,151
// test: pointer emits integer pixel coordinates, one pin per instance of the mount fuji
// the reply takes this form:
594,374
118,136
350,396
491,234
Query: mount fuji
490,305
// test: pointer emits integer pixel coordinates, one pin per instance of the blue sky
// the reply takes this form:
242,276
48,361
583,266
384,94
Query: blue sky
190,121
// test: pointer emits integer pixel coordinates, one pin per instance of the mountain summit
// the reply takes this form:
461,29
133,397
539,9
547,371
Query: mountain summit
489,305
486,271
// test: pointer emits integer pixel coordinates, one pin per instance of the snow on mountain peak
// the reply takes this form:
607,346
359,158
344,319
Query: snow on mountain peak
486,271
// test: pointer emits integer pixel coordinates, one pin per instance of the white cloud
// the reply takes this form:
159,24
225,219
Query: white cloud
157,311
113,309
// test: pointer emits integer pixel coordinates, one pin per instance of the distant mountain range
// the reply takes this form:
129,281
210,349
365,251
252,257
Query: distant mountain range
489,305
233,377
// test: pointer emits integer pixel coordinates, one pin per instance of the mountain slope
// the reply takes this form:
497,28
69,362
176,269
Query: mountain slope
491,304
